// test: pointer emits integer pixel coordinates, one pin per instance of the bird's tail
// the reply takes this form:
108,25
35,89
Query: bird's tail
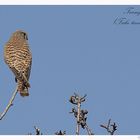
23,89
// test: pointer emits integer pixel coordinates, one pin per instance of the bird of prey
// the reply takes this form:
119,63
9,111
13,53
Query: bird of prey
18,57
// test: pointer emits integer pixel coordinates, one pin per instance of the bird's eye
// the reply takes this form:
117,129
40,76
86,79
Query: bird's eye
25,36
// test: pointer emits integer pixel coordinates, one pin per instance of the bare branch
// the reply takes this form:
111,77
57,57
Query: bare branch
108,123
83,98
79,113
88,130
37,130
111,128
73,100
9,104
60,133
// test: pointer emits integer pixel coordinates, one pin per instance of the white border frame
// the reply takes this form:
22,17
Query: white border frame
82,137
69,2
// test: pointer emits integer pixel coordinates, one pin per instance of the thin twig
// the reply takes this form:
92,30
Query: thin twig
108,125
88,130
9,104
77,128
111,128
60,133
83,98
38,132
78,115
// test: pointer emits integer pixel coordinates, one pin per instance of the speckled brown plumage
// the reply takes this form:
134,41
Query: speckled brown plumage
18,57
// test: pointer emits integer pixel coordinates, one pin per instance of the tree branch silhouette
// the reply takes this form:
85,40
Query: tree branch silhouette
111,128
79,113
60,133
9,104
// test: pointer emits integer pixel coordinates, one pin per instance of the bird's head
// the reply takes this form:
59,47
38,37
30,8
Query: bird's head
20,34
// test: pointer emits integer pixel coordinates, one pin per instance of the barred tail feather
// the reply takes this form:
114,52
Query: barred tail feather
22,89
24,92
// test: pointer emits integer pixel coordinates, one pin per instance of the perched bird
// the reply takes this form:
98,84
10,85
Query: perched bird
18,57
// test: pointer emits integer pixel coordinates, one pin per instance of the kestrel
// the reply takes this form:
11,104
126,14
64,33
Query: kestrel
18,57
